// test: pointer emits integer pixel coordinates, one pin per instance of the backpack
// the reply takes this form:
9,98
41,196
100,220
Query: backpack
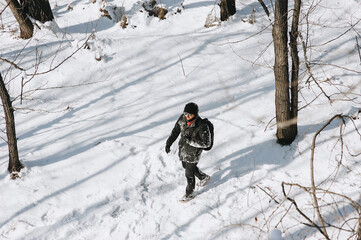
211,129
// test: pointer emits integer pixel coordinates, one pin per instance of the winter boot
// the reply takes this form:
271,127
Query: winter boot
187,197
204,181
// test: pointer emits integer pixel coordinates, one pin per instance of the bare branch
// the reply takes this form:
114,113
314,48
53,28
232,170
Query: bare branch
184,74
312,223
273,198
341,67
12,63
264,8
254,63
309,68
315,200
351,27
52,69
245,39
358,48
4,8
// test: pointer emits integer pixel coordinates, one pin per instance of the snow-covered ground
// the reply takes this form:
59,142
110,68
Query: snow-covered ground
91,134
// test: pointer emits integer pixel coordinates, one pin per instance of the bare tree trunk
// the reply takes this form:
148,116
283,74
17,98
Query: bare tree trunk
14,162
286,127
38,9
228,8
231,4
295,62
26,26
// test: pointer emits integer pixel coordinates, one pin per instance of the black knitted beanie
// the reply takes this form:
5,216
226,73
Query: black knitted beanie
191,108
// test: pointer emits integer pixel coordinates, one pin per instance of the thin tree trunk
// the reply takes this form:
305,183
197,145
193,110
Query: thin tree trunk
26,26
224,10
228,8
14,162
286,130
231,4
295,62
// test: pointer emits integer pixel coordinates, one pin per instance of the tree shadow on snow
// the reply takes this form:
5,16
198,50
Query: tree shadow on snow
62,190
241,162
252,158
245,161
123,131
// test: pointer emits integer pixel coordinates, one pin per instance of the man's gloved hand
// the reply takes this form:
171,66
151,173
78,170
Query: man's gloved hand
167,148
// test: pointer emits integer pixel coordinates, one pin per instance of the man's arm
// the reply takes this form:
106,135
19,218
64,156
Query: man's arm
174,135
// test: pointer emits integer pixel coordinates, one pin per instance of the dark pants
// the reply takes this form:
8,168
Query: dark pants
191,171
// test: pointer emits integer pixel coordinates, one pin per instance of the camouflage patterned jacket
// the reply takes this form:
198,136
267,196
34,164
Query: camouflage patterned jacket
193,138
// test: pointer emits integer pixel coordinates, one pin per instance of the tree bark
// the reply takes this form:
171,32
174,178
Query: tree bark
231,4
38,9
286,127
14,163
228,8
295,61
26,26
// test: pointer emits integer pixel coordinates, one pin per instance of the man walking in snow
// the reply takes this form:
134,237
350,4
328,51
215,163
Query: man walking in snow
194,137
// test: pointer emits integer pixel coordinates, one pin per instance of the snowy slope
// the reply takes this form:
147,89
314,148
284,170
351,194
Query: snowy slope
93,140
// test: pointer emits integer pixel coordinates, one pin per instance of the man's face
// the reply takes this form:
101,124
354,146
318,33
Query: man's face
188,116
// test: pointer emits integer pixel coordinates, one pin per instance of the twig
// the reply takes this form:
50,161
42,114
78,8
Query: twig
309,68
358,48
265,129
5,8
226,228
321,225
12,63
259,56
300,108
313,173
356,205
300,212
51,69
264,8
273,198
284,215
18,56
245,39
42,111
21,90
184,74
41,88
351,27
336,66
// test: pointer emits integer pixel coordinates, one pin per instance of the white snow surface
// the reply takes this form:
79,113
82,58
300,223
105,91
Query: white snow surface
91,134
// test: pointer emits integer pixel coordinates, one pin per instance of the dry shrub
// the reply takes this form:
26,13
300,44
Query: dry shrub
212,21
